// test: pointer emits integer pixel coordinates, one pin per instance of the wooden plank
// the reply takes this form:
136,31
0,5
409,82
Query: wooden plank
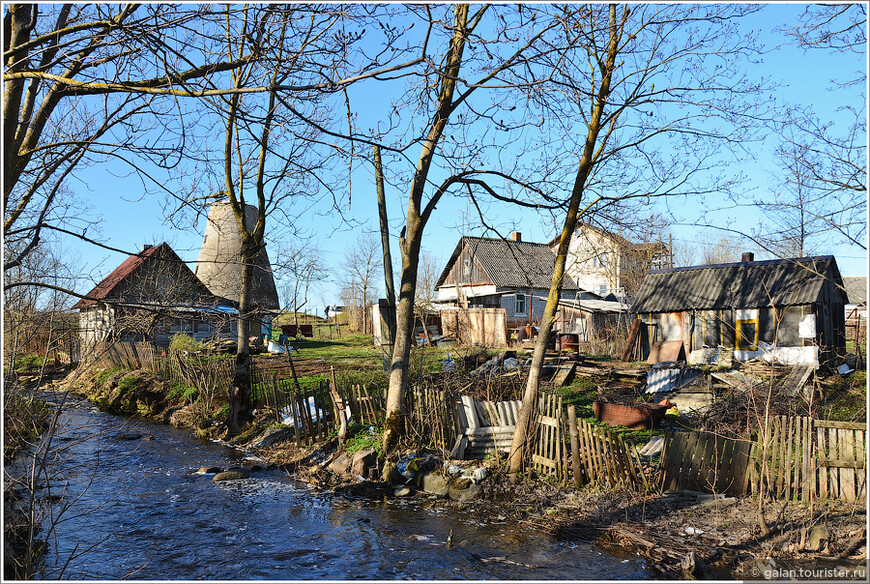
833,473
740,470
861,477
792,450
838,424
702,463
575,446
808,473
821,454
847,475
688,458
726,451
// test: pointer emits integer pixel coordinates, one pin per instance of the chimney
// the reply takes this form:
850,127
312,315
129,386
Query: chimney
747,256
516,236
146,247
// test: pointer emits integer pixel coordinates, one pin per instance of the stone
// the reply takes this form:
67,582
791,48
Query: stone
402,492
390,473
232,475
209,470
818,537
341,465
435,483
463,490
362,460
272,436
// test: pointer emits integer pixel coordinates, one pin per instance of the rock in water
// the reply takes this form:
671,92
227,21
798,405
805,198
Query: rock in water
232,475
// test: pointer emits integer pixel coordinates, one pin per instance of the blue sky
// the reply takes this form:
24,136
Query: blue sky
128,219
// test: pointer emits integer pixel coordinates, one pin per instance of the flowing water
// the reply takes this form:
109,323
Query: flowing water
140,511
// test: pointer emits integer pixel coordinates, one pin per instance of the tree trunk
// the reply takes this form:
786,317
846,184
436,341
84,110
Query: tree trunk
414,224
390,316
240,388
394,423
522,433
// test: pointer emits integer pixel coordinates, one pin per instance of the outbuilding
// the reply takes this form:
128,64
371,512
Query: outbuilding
792,309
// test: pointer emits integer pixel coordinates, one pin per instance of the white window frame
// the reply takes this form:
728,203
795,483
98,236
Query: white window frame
520,304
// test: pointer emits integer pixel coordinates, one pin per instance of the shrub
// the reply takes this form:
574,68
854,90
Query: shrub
185,342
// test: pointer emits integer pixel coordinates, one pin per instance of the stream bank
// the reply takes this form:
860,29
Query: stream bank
135,505
682,535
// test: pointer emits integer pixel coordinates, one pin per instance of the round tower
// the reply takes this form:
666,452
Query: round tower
219,263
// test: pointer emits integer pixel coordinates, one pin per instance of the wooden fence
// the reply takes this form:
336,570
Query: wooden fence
366,407
310,410
483,427
604,459
429,419
703,461
809,458
549,454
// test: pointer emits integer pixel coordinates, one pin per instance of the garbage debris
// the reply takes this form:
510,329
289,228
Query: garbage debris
449,364
408,466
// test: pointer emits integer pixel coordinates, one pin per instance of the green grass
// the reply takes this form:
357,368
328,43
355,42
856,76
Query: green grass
847,400
361,437
126,384
101,377
28,363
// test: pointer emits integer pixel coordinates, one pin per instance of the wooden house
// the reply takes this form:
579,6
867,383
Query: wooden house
790,308
149,297
511,275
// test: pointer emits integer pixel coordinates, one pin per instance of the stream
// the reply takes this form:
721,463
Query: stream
134,507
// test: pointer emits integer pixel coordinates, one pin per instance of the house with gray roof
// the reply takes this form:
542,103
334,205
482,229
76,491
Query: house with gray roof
511,274
790,308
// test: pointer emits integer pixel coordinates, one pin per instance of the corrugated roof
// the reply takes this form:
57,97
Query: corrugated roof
511,264
741,285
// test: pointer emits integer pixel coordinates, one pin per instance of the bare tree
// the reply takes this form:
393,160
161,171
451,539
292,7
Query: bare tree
722,251
824,158
360,272
635,75
300,265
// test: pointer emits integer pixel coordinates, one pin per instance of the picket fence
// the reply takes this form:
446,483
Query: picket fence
809,458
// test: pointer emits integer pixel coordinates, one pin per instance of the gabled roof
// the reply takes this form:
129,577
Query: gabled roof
510,264
856,289
741,285
108,287
618,240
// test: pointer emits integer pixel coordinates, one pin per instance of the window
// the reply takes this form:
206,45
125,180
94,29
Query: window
521,304
183,325
600,261
746,329
601,290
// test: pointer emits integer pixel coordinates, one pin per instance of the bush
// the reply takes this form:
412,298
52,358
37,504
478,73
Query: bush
185,342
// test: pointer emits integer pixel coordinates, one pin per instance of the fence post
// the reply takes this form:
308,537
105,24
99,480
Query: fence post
575,446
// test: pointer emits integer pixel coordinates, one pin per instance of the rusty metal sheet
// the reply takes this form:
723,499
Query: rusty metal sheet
666,351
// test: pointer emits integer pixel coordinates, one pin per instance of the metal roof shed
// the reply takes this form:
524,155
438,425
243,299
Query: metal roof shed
792,307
